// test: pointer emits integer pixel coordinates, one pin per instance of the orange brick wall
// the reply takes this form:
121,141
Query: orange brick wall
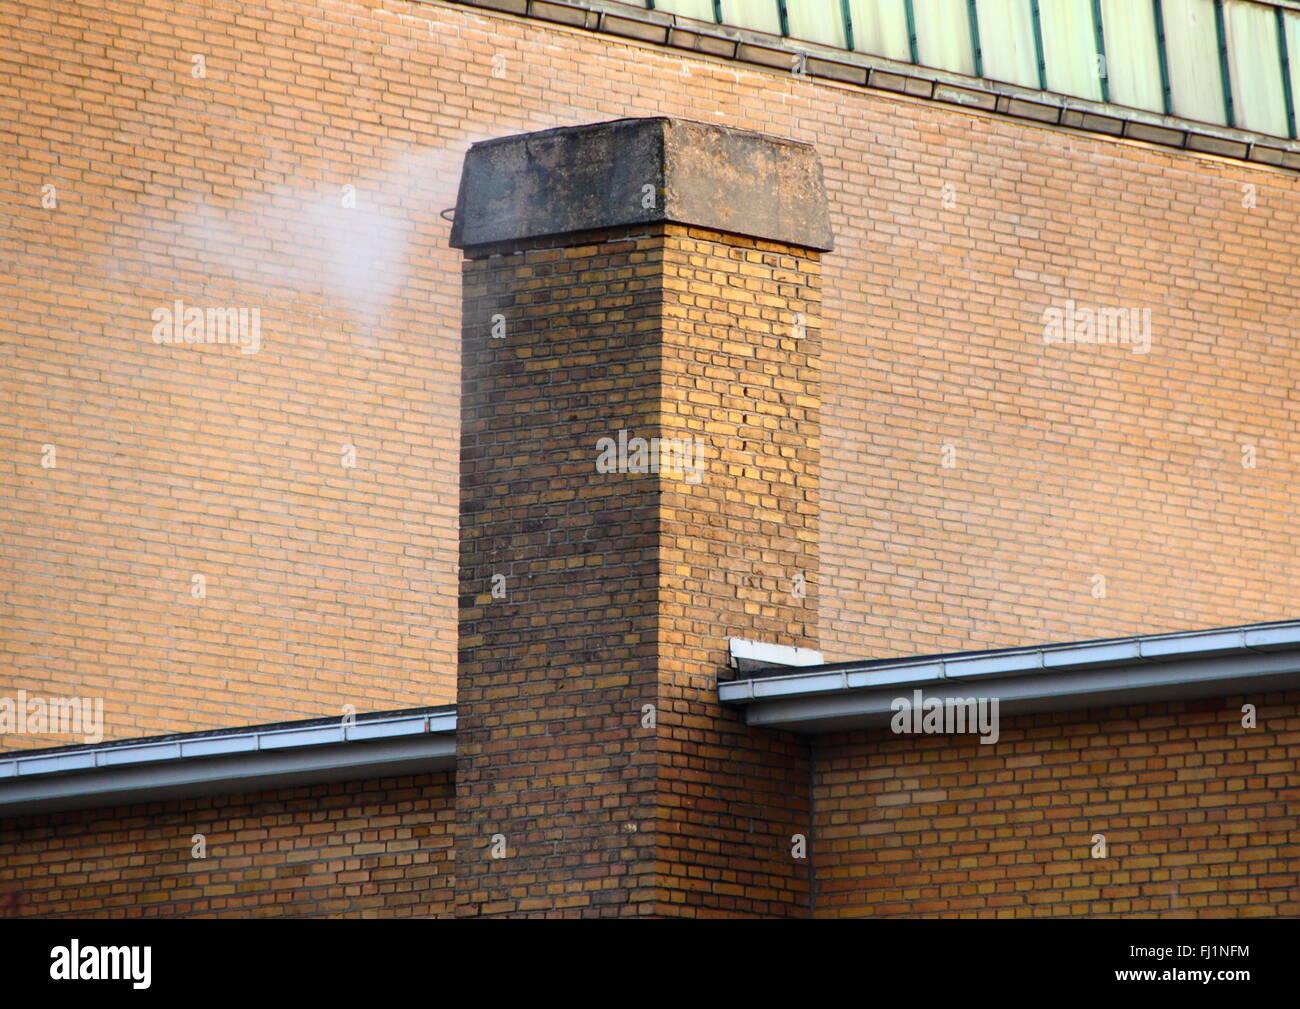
1199,815
1070,462
326,585
329,586
379,848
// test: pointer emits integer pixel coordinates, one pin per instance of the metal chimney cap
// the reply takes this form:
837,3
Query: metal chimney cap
641,171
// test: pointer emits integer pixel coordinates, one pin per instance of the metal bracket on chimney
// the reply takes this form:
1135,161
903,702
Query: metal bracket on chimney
752,656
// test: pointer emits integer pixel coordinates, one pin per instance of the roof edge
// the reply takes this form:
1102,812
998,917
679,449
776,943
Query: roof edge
1137,669
204,763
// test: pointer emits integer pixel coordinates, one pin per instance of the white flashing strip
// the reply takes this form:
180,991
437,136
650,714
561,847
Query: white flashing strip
238,761
1055,677
748,656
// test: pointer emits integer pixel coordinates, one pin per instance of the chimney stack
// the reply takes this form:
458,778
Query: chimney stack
639,477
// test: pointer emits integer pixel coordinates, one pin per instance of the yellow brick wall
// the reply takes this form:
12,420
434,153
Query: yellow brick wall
738,558
1198,814
380,848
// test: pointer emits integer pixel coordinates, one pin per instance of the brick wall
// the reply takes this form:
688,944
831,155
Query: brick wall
621,589
742,345
551,757
325,585
379,848
329,586
1199,816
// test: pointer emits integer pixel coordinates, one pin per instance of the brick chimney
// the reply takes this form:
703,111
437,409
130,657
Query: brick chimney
639,474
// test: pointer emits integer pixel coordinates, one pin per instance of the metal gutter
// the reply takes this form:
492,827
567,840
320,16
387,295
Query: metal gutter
913,40
977,51
1105,673
244,760
1166,86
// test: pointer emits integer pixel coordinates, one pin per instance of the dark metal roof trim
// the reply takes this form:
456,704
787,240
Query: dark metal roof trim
630,23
